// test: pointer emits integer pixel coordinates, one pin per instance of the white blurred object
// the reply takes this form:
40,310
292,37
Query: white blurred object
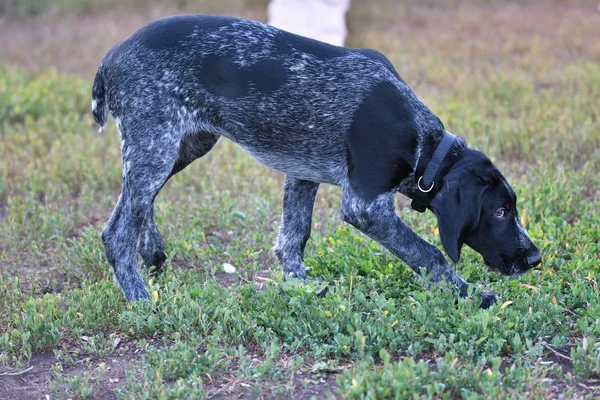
323,20
230,269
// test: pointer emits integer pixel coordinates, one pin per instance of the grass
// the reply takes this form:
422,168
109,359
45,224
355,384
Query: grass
519,80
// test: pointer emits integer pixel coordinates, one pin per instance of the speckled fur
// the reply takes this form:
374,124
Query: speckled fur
298,200
180,83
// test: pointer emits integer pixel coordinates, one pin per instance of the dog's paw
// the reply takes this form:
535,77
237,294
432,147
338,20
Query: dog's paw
324,288
154,263
320,288
488,299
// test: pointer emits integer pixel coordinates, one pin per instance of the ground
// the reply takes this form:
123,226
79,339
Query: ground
519,80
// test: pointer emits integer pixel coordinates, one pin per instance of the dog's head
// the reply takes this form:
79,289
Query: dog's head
477,206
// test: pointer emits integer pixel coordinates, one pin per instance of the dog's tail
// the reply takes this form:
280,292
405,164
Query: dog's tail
99,103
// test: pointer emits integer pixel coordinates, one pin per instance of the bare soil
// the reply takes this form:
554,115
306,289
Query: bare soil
34,381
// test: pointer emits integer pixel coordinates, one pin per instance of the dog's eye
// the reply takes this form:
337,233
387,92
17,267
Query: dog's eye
499,213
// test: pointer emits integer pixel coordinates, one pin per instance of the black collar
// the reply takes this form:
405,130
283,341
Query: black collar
427,175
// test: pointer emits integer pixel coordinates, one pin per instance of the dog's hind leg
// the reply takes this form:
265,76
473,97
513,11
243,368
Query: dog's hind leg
298,200
151,244
145,170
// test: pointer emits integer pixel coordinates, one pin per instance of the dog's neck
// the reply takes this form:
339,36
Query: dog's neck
447,155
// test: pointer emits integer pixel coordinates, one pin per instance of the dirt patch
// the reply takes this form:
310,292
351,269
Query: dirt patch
30,382
34,381
303,388
303,384
228,280
260,279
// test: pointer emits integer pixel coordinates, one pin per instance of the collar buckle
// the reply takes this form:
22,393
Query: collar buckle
423,197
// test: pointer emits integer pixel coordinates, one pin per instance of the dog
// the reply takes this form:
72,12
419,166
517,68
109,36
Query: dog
317,113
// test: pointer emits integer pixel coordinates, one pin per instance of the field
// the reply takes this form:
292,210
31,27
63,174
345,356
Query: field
519,80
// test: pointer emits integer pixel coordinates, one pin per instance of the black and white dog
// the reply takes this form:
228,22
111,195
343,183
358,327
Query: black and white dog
317,113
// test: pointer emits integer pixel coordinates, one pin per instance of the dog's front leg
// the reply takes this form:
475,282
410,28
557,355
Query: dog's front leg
298,200
378,220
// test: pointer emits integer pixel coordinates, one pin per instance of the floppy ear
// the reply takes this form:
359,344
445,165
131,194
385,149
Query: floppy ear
457,210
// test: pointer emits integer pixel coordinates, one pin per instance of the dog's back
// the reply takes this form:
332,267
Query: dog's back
288,100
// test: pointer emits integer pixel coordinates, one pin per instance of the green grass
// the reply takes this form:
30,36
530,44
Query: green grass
379,332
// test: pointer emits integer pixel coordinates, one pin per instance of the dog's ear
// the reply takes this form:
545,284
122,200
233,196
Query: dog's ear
381,141
457,208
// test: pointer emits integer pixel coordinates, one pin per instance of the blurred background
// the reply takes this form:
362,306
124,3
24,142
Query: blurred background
72,35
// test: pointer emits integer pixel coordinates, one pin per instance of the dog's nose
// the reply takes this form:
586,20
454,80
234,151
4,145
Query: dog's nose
534,259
